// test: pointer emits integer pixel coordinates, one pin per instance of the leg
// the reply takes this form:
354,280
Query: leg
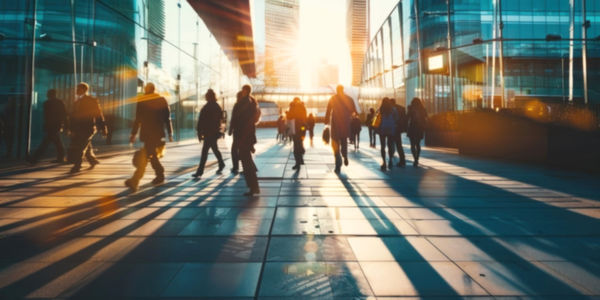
391,144
140,168
413,150
203,158
249,169
235,160
335,145
159,171
382,143
297,140
215,149
41,149
89,153
344,146
80,144
60,149
400,149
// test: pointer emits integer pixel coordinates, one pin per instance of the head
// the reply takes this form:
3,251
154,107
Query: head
310,115
372,110
386,105
339,90
149,88
392,100
416,102
296,100
246,90
210,95
82,89
51,94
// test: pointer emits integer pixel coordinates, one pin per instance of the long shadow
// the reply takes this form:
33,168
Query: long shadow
385,227
31,282
472,227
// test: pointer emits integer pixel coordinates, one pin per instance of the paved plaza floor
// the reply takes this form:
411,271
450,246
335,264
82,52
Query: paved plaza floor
454,227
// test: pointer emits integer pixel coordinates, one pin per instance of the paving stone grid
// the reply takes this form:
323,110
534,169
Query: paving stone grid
455,227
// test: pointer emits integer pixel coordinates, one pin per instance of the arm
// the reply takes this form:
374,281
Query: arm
167,119
136,124
100,123
328,113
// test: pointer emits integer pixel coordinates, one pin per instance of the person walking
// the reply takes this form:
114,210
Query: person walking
86,120
243,122
356,127
310,126
339,113
209,130
280,128
369,124
417,120
55,119
387,131
401,127
235,153
152,116
297,114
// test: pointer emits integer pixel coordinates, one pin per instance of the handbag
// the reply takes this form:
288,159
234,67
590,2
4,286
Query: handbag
377,121
326,135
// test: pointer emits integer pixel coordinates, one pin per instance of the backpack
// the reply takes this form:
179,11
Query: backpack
388,123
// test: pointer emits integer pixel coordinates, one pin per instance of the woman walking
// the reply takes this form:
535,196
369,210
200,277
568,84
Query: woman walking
417,120
387,131
297,114
209,130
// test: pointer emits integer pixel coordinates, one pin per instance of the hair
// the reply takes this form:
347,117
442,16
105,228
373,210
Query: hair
386,106
339,87
393,101
150,86
296,98
83,85
417,102
371,110
210,95
247,88
51,93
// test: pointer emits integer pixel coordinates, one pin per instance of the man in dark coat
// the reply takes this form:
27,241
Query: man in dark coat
401,127
86,119
235,153
209,130
297,113
339,114
243,122
152,116
55,119
310,126
369,124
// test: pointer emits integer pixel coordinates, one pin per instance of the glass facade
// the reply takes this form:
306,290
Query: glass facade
115,46
537,57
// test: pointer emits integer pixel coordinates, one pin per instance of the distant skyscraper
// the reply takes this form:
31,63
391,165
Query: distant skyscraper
357,28
281,35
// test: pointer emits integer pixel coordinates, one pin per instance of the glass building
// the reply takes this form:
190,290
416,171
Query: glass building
534,48
115,46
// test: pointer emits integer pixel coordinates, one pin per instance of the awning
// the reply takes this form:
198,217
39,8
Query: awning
230,22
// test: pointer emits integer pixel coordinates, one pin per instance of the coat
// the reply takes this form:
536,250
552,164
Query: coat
152,115
209,121
55,115
87,116
297,113
339,116
417,119
245,116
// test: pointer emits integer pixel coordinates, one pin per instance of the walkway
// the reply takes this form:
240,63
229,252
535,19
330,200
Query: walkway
454,227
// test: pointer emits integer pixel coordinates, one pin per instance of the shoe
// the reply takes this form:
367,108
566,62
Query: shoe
415,163
131,185
197,175
401,164
93,163
383,167
337,170
252,192
390,164
345,161
296,167
235,170
158,180
75,170
221,167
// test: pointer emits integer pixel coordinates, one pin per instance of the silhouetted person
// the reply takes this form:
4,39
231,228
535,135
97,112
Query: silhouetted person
310,126
339,114
387,131
209,130
243,122
86,119
356,127
110,127
297,113
417,120
369,123
152,116
235,153
55,119
401,127
280,128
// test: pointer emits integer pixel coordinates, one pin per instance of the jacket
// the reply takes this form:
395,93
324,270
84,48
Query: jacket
209,121
87,116
152,115
339,114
